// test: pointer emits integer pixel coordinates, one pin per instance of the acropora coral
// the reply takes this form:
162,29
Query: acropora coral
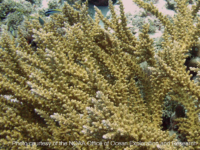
82,87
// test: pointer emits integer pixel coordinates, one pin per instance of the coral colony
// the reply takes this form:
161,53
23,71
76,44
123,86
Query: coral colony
68,83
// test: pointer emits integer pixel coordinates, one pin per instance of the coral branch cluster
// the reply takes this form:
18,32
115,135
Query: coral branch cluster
82,83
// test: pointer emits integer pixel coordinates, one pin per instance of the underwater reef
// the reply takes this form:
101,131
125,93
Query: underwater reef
71,84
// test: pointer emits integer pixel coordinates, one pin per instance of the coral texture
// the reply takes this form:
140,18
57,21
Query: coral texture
81,87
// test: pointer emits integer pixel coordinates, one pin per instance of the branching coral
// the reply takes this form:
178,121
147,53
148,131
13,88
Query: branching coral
86,84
